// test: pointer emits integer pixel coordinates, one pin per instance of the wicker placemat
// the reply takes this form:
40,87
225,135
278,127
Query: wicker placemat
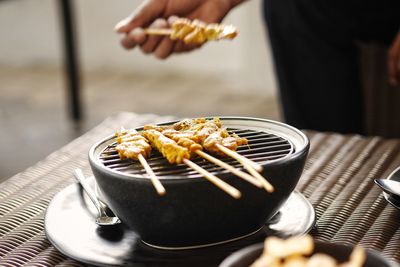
338,180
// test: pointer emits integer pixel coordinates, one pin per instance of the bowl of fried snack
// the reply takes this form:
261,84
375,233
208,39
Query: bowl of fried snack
303,251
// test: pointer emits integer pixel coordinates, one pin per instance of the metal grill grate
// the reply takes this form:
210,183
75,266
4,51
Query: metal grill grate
262,147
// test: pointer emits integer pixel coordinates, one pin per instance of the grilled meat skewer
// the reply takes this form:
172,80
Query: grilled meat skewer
207,133
178,154
192,133
215,139
132,145
167,147
196,31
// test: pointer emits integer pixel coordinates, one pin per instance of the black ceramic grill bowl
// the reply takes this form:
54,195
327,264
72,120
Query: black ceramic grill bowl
246,256
194,212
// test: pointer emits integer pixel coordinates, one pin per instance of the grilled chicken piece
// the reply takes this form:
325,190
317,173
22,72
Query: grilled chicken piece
206,130
181,27
131,144
209,133
178,141
200,127
173,152
176,135
201,133
198,32
222,137
185,139
191,145
188,124
155,127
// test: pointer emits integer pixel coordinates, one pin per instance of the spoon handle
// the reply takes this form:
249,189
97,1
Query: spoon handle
389,186
82,180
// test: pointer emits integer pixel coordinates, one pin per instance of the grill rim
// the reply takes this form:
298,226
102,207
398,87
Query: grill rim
298,152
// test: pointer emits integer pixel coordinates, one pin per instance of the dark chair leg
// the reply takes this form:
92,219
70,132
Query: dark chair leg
71,59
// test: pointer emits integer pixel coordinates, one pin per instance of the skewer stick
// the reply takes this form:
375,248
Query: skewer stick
214,179
158,31
249,167
228,167
269,187
240,158
156,183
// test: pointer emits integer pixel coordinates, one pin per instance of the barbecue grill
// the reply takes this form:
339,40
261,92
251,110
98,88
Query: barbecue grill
263,147
194,212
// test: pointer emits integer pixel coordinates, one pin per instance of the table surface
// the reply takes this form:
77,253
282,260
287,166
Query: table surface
337,180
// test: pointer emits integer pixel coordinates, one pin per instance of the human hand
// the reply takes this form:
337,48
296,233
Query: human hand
394,61
161,14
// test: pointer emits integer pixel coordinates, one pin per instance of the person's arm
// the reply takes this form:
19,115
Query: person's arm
161,14
394,61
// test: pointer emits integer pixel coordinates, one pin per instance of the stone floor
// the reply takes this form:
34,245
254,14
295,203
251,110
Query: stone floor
33,109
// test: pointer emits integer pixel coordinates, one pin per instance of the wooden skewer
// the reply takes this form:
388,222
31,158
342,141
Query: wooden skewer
156,183
240,158
158,31
214,179
269,187
228,167
249,167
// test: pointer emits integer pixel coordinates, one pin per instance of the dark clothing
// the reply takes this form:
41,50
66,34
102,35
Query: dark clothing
314,45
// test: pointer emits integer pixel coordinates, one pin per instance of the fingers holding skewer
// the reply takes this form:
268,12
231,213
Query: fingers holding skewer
153,41
164,37
134,38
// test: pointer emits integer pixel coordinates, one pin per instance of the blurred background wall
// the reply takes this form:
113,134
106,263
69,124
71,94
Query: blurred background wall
30,34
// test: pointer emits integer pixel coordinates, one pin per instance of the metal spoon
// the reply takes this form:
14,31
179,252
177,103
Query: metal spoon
389,186
102,219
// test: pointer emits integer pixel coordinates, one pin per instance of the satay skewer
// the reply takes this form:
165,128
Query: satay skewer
195,32
205,128
222,142
176,154
216,139
134,146
190,142
227,34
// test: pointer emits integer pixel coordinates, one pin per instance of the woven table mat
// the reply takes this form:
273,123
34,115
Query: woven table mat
338,181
